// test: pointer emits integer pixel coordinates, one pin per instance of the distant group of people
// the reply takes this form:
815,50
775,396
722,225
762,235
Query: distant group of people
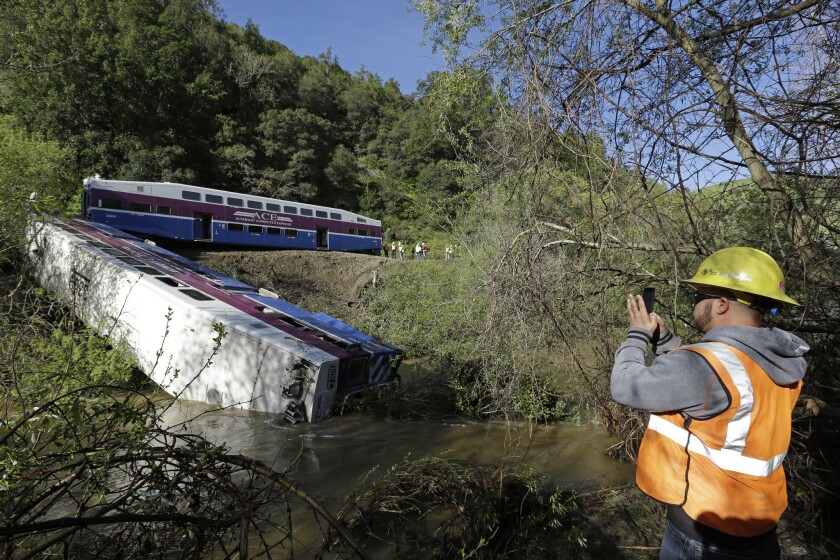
393,250
420,251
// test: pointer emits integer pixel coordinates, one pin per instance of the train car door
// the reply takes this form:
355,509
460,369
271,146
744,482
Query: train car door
322,238
202,226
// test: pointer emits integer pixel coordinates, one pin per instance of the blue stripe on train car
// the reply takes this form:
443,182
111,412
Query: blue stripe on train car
183,228
344,242
148,224
222,234
352,336
328,319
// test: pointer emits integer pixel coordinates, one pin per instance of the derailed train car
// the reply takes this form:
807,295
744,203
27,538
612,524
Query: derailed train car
201,335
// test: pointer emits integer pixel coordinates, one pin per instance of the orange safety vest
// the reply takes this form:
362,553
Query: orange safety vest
725,471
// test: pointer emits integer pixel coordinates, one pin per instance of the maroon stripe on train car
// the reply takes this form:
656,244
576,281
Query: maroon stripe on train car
195,280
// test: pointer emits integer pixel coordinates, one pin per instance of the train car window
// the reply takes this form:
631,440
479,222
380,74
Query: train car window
195,294
140,188
335,216
214,198
139,207
190,195
305,212
236,227
362,232
161,209
274,231
361,220
271,207
357,372
235,201
255,229
373,234
291,233
336,341
168,281
266,310
110,203
295,323
320,213
290,209
255,204
352,231
149,270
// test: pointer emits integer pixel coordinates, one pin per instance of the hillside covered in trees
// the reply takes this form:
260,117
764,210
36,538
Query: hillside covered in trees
169,91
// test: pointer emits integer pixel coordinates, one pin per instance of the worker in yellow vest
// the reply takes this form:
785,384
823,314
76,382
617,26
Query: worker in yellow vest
721,409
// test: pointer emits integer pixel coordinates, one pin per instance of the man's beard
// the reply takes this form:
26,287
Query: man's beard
703,319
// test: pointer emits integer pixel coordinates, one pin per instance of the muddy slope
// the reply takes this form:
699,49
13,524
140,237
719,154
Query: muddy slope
313,280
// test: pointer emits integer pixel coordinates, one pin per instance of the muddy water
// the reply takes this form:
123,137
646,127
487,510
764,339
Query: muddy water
330,458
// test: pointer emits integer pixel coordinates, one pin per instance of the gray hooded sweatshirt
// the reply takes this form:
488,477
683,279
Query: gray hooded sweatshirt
685,381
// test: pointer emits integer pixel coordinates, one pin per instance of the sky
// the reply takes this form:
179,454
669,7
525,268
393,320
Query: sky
380,35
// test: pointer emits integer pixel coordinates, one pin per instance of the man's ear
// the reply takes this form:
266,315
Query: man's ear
722,305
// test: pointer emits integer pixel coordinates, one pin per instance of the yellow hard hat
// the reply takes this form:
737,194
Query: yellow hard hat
745,271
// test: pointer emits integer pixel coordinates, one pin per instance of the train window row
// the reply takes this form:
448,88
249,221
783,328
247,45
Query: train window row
260,229
161,209
353,231
113,204
137,264
258,205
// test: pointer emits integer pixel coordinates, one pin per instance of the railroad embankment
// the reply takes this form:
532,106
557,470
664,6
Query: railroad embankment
314,280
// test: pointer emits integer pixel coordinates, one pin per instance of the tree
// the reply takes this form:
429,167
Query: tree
684,94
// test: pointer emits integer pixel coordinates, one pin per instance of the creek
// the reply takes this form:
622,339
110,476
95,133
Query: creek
330,458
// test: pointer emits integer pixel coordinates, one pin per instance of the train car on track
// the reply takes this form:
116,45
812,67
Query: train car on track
201,335
190,213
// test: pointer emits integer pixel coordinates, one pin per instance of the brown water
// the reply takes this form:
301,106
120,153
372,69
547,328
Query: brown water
331,457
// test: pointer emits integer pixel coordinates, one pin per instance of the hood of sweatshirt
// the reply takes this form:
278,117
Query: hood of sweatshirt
778,352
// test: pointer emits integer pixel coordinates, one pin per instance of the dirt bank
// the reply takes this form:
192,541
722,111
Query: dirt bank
313,280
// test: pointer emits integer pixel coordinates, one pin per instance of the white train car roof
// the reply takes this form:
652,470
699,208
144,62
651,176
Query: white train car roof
166,284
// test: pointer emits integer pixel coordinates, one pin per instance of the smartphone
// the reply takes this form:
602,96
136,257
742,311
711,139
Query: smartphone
647,295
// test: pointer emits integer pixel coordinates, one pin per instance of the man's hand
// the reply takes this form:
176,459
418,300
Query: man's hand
640,318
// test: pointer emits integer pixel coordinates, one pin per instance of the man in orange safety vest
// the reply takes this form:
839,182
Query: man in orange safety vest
720,420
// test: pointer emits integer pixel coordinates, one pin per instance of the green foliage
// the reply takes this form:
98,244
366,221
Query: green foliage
47,354
75,359
29,164
428,309
166,91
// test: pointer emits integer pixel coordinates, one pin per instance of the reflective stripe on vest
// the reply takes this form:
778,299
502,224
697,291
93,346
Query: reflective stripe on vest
729,457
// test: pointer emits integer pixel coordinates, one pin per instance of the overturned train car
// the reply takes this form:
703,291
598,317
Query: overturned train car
201,335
